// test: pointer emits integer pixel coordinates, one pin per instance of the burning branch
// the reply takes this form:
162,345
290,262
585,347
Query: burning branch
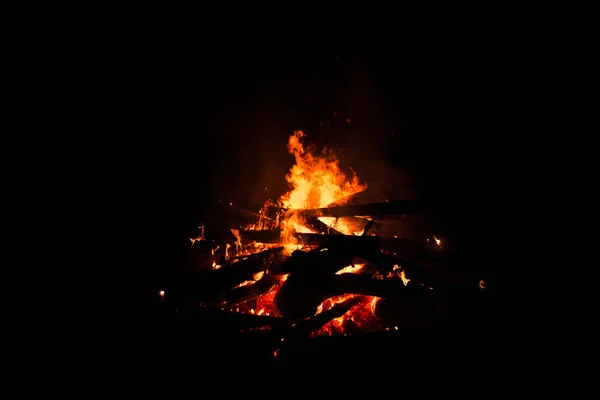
376,210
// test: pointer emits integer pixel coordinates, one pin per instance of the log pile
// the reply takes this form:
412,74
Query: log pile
285,296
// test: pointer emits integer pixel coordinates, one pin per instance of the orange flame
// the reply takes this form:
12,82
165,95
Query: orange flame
316,181
405,280
350,269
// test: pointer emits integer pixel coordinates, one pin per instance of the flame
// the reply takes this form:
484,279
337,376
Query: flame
316,181
405,280
256,277
291,247
199,237
340,225
265,304
350,269
401,273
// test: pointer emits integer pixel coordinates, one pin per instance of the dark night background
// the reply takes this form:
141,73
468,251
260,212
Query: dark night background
436,120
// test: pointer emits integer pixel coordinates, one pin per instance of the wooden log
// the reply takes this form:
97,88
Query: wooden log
404,248
368,227
263,253
253,291
262,236
274,236
412,267
318,226
300,295
404,313
210,285
393,207
384,288
305,328
316,263
399,251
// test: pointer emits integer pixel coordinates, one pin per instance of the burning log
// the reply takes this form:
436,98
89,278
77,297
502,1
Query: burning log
209,285
403,314
368,226
394,207
305,328
250,292
232,275
263,253
383,288
300,295
367,247
316,225
262,236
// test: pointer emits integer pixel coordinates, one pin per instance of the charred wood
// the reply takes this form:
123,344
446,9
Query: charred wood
345,200
300,295
320,227
384,288
262,236
209,285
317,262
358,243
263,253
304,328
342,248
246,293
393,207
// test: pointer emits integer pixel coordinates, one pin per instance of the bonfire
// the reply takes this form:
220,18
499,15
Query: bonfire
312,264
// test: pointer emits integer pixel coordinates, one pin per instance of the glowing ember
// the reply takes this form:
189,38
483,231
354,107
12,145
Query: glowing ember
255,278
161,293
403,277
360,317
350,269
